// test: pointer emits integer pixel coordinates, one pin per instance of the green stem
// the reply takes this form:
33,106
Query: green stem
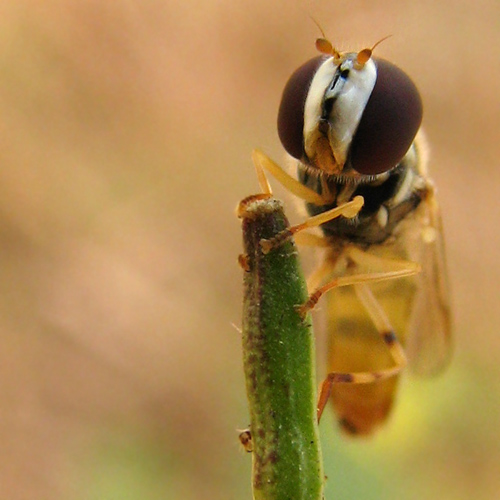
278,353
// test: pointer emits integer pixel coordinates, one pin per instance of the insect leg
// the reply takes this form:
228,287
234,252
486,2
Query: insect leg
386,332
382,324
377,269
261,176
263,162
349,210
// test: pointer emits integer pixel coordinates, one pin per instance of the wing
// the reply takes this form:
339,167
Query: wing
429,329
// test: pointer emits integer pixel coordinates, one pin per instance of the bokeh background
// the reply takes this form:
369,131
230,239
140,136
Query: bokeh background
126,132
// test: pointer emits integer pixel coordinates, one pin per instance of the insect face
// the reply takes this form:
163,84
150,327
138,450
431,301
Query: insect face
349,116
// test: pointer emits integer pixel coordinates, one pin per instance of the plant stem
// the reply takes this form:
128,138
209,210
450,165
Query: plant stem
279,362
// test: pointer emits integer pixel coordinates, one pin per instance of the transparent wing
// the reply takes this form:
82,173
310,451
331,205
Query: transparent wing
429,330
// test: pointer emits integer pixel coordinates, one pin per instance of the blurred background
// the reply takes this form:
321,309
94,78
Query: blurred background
126,132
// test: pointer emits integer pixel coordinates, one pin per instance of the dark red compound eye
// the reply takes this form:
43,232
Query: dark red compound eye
291,112
389,123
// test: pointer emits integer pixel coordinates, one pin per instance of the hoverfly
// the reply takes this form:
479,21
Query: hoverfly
350,123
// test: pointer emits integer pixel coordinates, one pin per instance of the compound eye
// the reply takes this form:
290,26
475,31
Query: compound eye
291,111
390,121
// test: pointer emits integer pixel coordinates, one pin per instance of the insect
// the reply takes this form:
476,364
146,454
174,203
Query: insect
350,123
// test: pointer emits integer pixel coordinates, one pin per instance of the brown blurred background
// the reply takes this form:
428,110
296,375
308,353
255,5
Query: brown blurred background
126,132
